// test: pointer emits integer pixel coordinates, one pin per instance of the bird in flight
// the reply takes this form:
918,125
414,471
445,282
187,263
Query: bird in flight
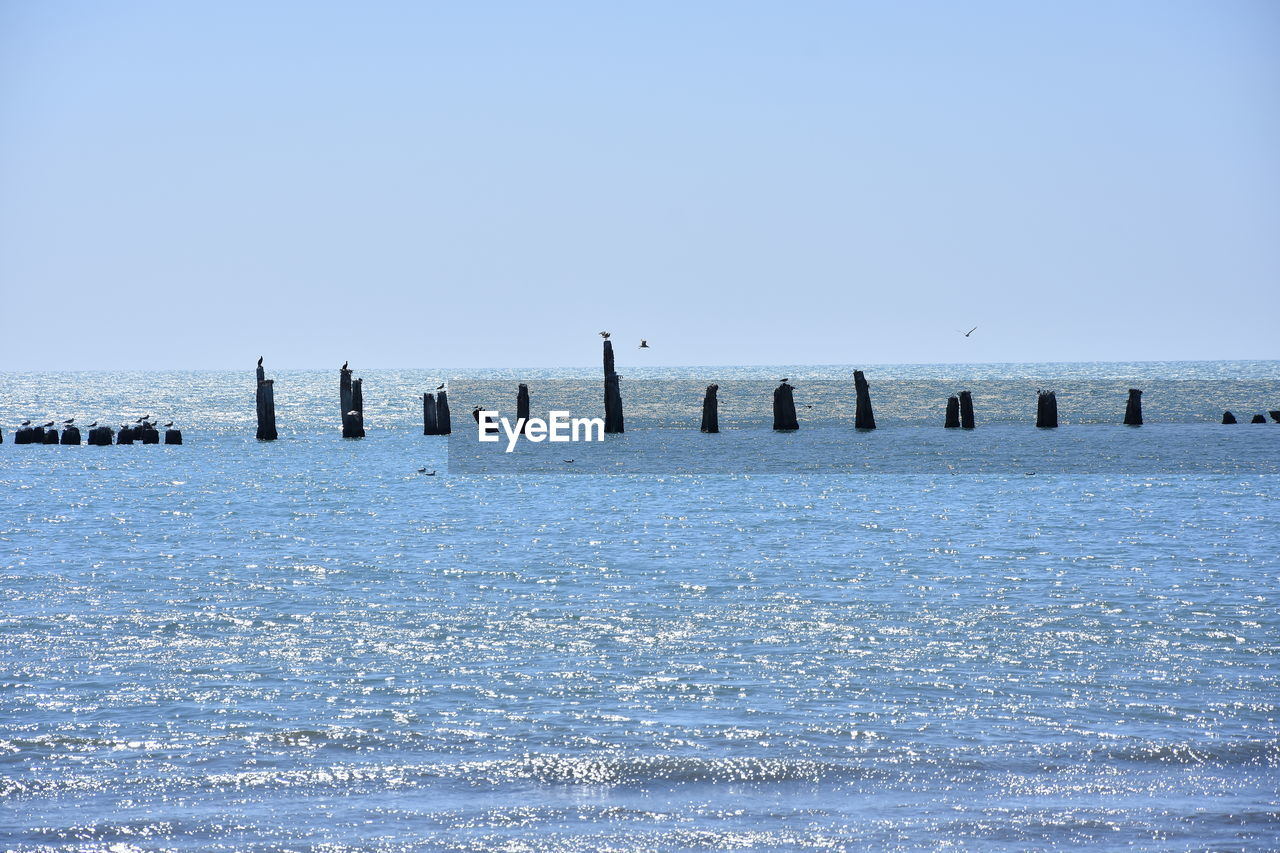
968,333
644,344
604,335
440,387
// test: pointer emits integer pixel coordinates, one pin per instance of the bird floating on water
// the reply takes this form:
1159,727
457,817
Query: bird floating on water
353,413
644,344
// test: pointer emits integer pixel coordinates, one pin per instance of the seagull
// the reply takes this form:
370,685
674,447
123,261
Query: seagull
428,473
49,424
784,379
604,335
259,361
169,424
69,421
344,365
968,333
440,387
94,424
644,343
353,413
570,461
26,423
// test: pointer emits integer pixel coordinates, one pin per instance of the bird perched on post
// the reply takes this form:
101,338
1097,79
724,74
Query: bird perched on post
69,421
94,424
259,361
344,365
49,424
604,335
26,423
644,344
169,424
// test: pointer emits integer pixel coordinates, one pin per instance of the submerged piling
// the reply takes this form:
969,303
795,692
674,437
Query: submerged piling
1228,418
1275,415
613,420
100,436
266,406
1047,410
711,410
70,435
863,417
1133,410
429,414
444,424
784,409
966,410
522,407
1259,419
952,420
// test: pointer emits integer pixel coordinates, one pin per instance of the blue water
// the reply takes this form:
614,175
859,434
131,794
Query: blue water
309,645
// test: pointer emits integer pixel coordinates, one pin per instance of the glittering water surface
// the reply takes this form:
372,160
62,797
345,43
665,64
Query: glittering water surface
308,645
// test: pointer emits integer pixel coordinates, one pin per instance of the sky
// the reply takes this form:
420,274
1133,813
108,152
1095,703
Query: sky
417,184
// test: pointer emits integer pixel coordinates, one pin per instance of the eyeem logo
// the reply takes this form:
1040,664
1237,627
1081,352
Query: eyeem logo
558,427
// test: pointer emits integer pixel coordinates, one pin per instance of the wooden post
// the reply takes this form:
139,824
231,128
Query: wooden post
784,409
953,413
22,435
522,406
444,425
100,436
1133,410
1047,410
711,410
174,436
51,436
1228,418
1259,419
266,406
126,435
966,410
863,417
352,407
70,435
1275,415
429,414
613,420
149,434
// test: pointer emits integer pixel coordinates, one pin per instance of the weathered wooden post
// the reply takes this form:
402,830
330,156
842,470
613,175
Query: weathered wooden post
100,436
174,436
352,414
444,424
70,435
126,435
1228,418
51,436
1259,419
149,434
266,407
429,414
711,410
522,406
613,420
966,410
22,435
1133,409
1275,415
953,413
784,409
1047,410
863,417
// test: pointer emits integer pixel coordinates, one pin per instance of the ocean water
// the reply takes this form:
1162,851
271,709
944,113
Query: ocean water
1014,639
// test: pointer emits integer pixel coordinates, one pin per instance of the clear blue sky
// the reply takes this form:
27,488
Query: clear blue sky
194,184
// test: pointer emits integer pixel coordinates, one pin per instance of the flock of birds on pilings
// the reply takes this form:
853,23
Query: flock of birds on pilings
436,417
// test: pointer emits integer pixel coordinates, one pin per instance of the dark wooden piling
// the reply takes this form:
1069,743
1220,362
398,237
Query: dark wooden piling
711,409
70,435
149,434
1275,415
127,435
863,417
22,435
444,424
784,409
952,420
352,409
1259,419
613,420
173,436
50,436
966,410
1047,410
266,406
1228,418
429,414
1133,409
101,436
522,406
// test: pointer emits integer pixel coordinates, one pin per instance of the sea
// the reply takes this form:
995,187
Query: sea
916,638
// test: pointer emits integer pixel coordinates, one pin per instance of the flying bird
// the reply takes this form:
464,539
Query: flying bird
604,335
644,344
968,333
440,387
